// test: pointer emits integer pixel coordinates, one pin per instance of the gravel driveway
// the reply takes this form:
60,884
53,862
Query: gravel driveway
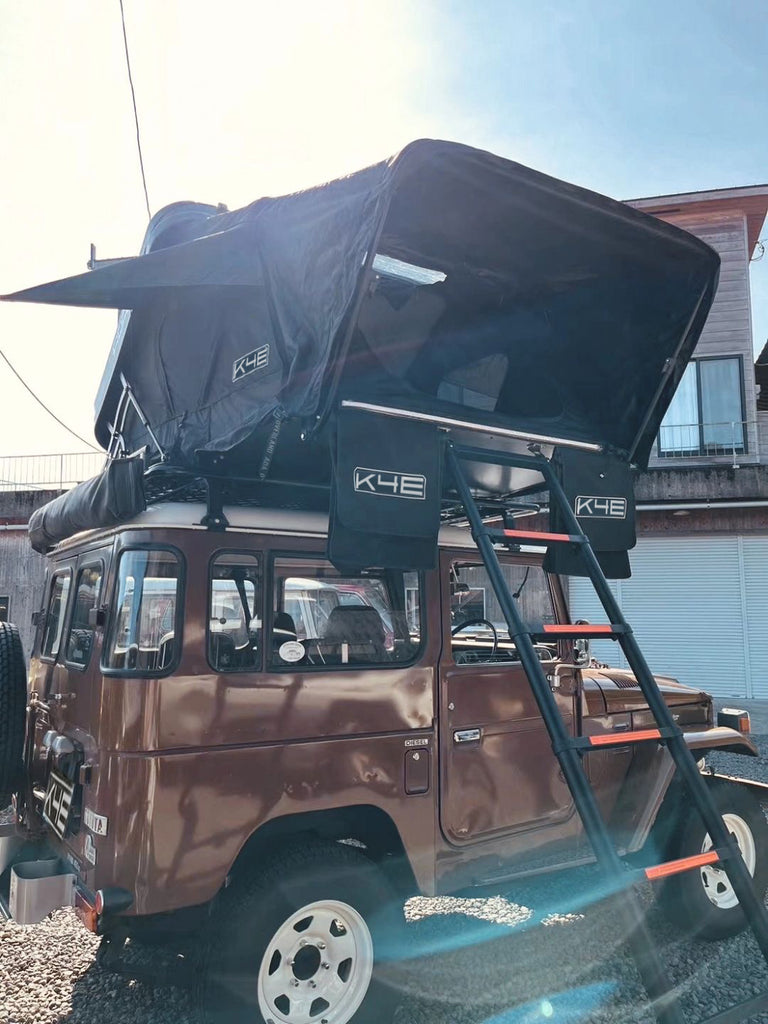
548,951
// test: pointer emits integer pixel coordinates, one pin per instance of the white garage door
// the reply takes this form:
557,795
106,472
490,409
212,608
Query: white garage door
699,609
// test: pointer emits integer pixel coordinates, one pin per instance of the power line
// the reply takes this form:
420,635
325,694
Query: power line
135,111
42,403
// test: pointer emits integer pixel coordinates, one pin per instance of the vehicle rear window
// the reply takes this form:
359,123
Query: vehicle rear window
54,620
323,618
234,623
87,597
144,623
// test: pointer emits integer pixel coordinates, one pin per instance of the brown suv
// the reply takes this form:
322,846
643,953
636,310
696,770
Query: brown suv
280,712
223,728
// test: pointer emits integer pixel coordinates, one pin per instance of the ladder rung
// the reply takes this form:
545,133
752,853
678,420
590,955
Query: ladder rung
572,629
622,739
619,739
675,867
537,537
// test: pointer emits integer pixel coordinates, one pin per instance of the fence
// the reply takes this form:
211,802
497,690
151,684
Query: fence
697,440
48,472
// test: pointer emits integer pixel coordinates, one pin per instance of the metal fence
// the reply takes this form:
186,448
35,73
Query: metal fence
48,472
698,440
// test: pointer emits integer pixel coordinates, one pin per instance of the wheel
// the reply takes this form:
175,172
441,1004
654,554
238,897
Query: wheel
302,942
13,702
702,901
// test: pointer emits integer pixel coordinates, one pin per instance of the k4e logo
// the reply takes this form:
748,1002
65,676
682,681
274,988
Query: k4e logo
250,362
390,484
600,508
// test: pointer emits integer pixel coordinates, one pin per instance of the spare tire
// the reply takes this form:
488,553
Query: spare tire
13,701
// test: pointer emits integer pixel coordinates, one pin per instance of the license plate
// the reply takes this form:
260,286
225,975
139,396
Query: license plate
58,802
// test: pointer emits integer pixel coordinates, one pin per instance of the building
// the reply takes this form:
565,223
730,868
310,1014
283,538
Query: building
698,595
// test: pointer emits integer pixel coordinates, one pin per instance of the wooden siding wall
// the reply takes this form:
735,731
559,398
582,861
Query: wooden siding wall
22,572
728,330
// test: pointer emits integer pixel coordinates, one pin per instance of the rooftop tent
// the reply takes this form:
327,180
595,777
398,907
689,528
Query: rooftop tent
446,280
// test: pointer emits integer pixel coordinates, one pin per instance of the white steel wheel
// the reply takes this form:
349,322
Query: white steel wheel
717,885
317,967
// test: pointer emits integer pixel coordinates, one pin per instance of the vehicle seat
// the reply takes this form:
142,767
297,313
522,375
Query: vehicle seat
361,628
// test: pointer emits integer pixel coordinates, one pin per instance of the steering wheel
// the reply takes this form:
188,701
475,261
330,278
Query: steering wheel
481,622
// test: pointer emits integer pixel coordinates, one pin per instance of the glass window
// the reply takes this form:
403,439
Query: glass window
478,628
87,598
234,626
323,618
706,415
54,621
142,638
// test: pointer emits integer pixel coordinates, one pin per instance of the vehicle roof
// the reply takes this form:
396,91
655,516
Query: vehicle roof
283,522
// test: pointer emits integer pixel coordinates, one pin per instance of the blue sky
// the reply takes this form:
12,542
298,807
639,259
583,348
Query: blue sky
241,99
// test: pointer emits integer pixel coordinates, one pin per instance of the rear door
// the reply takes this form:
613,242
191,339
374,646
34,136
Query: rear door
498,773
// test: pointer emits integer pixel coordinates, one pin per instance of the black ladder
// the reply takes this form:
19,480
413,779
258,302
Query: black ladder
570,750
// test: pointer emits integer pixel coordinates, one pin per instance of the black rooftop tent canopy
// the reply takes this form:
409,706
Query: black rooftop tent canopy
446,280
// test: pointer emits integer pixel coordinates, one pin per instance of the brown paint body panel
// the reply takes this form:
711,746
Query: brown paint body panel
186,768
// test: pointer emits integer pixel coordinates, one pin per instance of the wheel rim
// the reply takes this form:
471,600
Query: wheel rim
317,966
716,883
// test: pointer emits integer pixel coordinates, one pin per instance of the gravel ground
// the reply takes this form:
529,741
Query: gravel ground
548,951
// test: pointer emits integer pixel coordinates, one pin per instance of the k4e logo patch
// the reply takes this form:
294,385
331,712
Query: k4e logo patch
600,508
250,362
390,484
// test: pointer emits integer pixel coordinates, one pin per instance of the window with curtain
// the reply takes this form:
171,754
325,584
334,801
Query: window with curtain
706,415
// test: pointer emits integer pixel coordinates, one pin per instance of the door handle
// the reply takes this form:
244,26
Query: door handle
466,736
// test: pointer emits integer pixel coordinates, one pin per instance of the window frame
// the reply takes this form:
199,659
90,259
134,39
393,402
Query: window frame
701,452
100,561
178,624
260,604
65,570
269,613
7,607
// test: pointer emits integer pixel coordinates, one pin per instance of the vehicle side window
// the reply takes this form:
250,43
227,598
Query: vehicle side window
479,632
87,597
143,635
323,618
234,625
54,620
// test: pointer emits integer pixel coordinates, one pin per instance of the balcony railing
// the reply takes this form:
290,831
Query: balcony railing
701,440
48,472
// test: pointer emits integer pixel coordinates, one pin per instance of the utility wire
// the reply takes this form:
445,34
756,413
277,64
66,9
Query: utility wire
42,403
135,111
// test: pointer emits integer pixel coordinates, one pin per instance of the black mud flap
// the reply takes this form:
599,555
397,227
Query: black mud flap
601,493
385,500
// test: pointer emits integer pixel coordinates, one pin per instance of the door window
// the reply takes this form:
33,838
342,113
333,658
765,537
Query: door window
234,623
54,620
144,636
479,632
323,618
81,630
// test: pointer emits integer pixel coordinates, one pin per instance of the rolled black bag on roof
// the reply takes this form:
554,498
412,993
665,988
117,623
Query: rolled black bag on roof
112,497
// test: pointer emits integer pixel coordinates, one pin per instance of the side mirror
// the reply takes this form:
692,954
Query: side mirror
582,654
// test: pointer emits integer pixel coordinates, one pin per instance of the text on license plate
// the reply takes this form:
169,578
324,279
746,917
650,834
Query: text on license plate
58,801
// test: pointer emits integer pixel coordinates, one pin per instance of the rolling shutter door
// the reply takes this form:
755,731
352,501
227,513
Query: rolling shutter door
695,603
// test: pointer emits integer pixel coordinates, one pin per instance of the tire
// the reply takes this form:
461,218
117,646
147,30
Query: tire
702,901
302,942
13,703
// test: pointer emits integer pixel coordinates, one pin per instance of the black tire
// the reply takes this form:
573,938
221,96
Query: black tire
685,898
13,703
253,912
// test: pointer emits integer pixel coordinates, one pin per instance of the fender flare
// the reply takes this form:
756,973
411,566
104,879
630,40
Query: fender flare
699,742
